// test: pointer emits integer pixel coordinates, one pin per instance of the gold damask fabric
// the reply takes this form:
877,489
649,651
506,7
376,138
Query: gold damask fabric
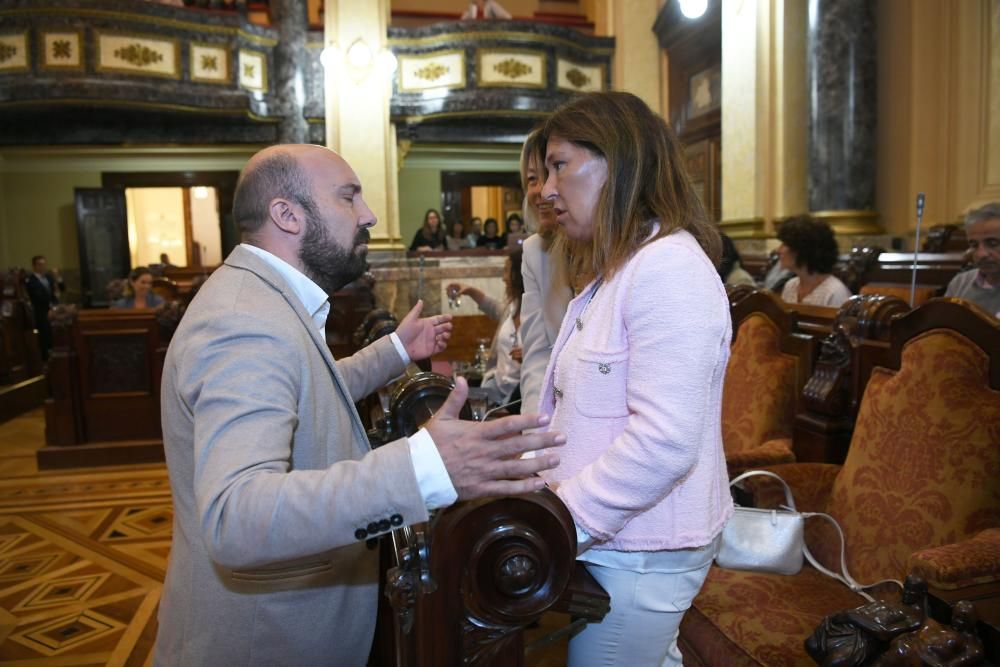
924,460
967,563
746,618
921,473
758,398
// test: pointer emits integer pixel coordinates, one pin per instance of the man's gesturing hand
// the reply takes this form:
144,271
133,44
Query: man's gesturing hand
483,459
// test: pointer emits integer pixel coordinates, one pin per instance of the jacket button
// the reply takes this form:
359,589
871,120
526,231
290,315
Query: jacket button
372,528
361,533
396,519
384,525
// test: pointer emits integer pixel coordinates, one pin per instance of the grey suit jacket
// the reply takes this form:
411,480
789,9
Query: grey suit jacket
275,488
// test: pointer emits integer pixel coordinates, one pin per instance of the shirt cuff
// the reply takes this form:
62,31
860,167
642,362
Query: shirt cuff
432,477
399,348
583,540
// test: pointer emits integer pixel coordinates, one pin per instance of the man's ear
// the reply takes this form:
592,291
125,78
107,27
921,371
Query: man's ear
286,215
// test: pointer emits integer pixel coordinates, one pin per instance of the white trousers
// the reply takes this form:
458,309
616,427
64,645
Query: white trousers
646,610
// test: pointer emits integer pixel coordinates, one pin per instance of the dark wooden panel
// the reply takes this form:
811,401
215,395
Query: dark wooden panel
103,237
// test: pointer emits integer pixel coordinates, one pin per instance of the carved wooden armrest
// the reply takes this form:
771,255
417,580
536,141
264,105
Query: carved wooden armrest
960,564
811,484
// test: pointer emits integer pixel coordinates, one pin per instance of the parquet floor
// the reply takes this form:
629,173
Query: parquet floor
82,559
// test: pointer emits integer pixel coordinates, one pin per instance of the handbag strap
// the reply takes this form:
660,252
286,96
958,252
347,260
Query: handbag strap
844,577
789,501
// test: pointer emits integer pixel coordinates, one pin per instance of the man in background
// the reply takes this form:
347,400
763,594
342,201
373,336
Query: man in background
981,285
43,287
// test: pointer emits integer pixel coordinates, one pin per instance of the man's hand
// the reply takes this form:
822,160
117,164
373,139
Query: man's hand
424,337
483,458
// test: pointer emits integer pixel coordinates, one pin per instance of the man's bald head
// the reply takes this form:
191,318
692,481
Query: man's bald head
275,172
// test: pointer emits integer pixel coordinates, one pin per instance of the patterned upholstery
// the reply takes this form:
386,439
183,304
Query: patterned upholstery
967,563
920,473
758,398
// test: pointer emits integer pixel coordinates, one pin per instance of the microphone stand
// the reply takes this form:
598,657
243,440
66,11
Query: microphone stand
916,247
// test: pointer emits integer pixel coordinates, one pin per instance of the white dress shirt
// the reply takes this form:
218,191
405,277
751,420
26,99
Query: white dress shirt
432,477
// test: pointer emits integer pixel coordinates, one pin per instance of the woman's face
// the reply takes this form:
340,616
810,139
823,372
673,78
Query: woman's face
514,226
457,231
142,285
433,220
491,229
573,187
533,178
786,257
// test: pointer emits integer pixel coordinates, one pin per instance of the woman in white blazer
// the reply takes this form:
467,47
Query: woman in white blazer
543,270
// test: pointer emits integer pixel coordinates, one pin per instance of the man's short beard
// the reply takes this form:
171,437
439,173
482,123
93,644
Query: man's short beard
326,263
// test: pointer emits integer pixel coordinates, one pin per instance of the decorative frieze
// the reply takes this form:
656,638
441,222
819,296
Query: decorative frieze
138,54
441,69
253,70
579,77
525,69
13,52
61,50
209,63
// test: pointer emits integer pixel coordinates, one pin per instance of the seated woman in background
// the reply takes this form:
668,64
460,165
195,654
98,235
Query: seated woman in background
809,250
430,236
491,237
503,370
729,268
140,283
456,237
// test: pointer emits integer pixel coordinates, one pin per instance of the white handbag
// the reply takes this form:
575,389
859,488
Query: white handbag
763,540
773,540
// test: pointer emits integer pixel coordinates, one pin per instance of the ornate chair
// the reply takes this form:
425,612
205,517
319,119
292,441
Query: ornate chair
921,473
768,367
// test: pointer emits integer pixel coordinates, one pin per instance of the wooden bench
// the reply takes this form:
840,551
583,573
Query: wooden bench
105,376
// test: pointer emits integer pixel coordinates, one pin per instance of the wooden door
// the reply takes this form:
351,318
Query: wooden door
102,232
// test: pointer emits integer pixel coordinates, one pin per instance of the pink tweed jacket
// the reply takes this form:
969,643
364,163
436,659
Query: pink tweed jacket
639,396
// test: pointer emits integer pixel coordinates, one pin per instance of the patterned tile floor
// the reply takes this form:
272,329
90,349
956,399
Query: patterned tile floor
82,559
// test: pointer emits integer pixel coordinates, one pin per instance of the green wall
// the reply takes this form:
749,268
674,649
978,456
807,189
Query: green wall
419,190
37,211
39,219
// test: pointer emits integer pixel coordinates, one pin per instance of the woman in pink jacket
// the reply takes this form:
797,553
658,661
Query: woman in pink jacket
635,377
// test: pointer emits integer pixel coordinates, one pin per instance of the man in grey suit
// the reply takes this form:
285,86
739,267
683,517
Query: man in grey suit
275,488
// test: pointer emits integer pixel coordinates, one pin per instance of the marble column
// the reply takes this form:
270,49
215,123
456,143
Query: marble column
292,21
841,73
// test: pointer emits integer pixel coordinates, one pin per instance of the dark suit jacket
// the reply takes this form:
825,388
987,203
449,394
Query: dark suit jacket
43,295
